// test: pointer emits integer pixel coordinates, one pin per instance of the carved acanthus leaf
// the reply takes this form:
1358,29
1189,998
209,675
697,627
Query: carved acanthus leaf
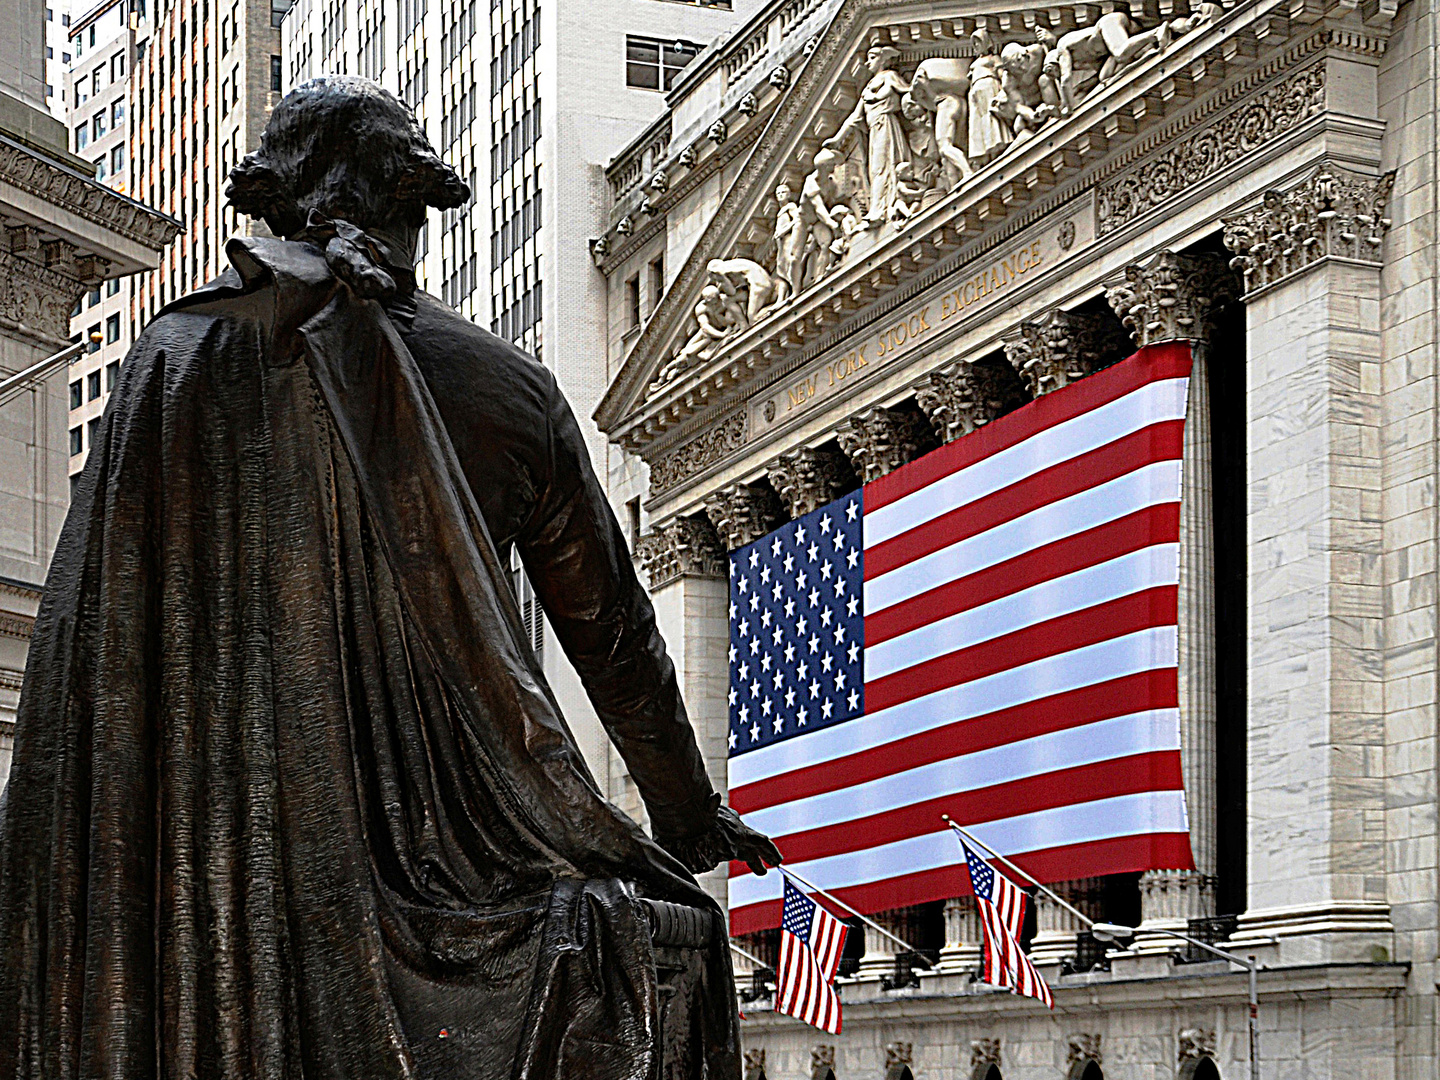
742,513
1062,347
684,461
880,440
681,547
963,396
899,1053
1084,1046
1332,212
806,479
1170,297
984,1052
1196,1043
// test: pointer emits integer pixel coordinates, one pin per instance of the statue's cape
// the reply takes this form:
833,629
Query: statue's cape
290,794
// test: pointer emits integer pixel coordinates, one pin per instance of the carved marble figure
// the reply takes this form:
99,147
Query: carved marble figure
716,318
941,86
875,126
1087,58
1028,97
291,796
818,226
989,135
789,243
745,283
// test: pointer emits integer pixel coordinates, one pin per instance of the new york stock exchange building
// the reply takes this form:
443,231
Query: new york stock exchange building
1027,413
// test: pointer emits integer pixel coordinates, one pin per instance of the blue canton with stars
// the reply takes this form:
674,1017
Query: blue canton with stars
797,628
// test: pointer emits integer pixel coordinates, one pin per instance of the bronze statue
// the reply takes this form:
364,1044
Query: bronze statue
291,796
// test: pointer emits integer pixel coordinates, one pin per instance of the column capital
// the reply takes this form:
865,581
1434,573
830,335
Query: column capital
1061,347
808,478
880,440
742,513
681,547
963,396
1332,213
1170,297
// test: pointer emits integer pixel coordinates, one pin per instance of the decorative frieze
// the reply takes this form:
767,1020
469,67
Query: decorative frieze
961,397
681,547
755,1064
1332,213
822,1063
899,1056
1199,156
1195,1043
742,513
1170,297
808,478
880,440
1084,1046
984,1052
1051,352
679,464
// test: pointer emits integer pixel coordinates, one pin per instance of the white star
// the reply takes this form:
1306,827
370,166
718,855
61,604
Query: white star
814,643
851,509
754,601
789,695
825,524
765,617
838,539
776,636
754,558
789,652
765,575
813,552
839,633
778,679
733,609
814,597
765,707
754,732
853,652
826,569
802,626
825,708
853,700
732,567
744,715
789,607
778,723
852,558
814,690
744,628
839,586
825,617
776,591
754,645
775,546
744,585
732,695
800,535
765,662
789,562
754,688
732,738
802,716
803,670
852,605
800,580
826,662
745,671
840,680
733,653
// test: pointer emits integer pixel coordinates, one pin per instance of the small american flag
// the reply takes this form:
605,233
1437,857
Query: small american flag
1002,913
811,941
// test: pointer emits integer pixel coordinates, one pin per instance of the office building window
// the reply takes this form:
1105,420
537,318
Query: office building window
92,428
77,440
99,124
112,373
651,64
117,160
632,302
95,79
112,330
117,113
100,168
117,67
112,286
92,298
82,136
92,386
274,73
657,281
76,397
93,334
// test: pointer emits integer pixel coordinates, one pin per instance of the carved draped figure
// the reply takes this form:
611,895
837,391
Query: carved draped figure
291,797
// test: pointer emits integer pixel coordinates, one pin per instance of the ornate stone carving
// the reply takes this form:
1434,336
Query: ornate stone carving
1196,1043
37,298
689,156
962,396
743,512
1333,212
681,547
755,1064
779,77
880,440
699,453
660,182
1084,1046
749,104
984,1052
1236,135
822,1063
1062,347
807,478
1170,297
599,248
718,133
625,226
645,206
898,1060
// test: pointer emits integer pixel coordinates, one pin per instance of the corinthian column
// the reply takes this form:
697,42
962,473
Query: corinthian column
962,397
1055,927
1062,347
880,440
1170,299
742,513
806,479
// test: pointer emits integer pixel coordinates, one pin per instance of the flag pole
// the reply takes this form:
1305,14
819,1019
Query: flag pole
738,951
841,903
986,847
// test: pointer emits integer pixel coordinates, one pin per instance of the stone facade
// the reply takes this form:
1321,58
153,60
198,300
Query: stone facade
1254,178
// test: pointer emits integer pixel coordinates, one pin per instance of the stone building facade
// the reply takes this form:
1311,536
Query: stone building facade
884,224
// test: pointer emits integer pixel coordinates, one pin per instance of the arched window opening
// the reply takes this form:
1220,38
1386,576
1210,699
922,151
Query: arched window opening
1085,1069
987,1070
1199,1068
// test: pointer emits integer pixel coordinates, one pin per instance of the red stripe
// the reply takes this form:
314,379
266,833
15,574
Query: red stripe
1077,629
1119,855
1155,771
1155,689
1168,361
1158,442
1158,524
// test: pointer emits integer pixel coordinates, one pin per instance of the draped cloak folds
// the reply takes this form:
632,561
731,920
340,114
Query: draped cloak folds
291,796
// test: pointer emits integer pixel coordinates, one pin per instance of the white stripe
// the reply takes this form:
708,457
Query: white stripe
1147,568
1150,404
1080,823
1121,736
1144,650
1158,482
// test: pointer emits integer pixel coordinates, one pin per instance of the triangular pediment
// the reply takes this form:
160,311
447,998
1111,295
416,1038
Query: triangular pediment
743,301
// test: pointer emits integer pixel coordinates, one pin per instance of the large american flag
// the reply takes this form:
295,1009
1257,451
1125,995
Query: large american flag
811,943
1001,905
988,632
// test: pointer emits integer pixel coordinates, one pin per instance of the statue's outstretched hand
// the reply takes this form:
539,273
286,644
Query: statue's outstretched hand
726,838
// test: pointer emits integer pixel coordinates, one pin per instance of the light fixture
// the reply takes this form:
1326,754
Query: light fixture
1109,931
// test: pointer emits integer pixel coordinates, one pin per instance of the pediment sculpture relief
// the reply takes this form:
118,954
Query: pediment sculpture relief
909,141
